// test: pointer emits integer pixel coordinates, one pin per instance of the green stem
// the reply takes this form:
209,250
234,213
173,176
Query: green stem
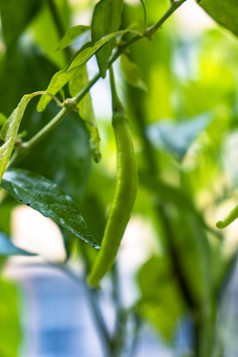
173,7
98,316
119,334
116,290
135,338
26,147
117,107
144,13
92,295
86,89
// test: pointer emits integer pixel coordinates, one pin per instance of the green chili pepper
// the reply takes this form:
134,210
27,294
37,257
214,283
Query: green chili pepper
232,215
125,193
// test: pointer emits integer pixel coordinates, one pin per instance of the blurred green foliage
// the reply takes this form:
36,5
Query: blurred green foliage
180,91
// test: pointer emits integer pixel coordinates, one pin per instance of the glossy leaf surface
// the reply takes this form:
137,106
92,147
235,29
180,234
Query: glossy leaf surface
224,12
71,35
10,129
87,53
46,197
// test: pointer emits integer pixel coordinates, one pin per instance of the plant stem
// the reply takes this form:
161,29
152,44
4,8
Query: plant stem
121,317
138,325
174,6
86,89
98,316
144,13
27,146
92,295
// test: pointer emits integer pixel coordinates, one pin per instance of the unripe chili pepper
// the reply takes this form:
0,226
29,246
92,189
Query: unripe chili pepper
125,193
232,215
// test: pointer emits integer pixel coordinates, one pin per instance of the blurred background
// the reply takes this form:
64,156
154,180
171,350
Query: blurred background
177,274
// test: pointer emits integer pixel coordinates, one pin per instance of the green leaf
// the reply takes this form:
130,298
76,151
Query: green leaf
167,192
64,155
10,331
61,78
106,19
155,270
22,70
10,129
67,164
3,118
94,214
47,37
132,73
71,35
57,82
166,314
6,208
177,137
7,248
224,12
46,197
76,84
161,301
13,20
86,54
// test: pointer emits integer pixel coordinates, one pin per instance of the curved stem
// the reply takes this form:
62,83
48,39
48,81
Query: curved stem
98,316
174,6
134,344
86,89
116,103
120,328
144,13
26,147
92,295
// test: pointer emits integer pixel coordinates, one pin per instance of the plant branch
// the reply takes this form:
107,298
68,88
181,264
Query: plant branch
86,89
98,316
134,344
121,316
26,147
93,296
173,7
93,299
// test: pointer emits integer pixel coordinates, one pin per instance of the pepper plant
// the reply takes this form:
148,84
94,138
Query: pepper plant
169,123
